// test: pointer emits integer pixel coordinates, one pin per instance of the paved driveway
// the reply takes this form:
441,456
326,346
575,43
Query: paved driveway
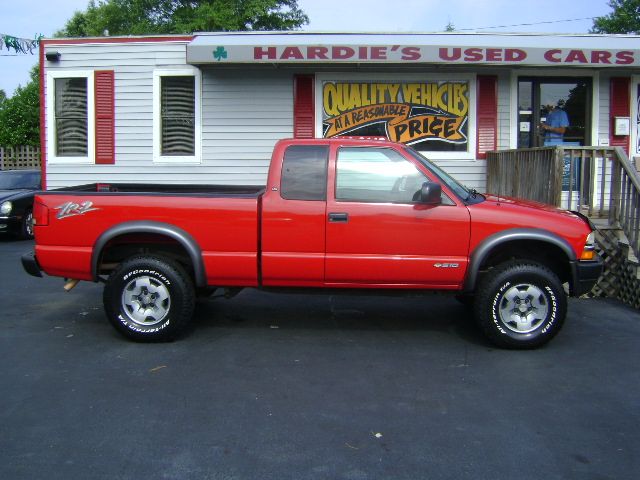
309,387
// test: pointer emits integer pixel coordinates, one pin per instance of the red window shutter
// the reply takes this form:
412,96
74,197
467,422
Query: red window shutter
105,117
304,119
620,107
486,115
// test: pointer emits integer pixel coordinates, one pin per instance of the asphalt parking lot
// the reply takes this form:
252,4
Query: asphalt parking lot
309,387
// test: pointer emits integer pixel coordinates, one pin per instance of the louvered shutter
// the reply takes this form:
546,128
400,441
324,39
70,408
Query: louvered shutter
105,116
620,107
303,107
486,115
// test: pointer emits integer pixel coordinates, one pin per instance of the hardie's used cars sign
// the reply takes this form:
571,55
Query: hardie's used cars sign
539,50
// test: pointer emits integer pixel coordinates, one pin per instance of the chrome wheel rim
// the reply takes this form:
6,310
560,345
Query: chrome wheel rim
28,221
523,308
146,301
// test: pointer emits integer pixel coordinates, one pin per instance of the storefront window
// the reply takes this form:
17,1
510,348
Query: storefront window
555,102
432,116
71,117
176,116
177,112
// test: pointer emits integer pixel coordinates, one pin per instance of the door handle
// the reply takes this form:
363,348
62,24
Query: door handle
338,217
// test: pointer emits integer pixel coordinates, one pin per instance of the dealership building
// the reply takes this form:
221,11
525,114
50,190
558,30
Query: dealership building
208,108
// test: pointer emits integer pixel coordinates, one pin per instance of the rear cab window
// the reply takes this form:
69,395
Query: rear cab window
304,172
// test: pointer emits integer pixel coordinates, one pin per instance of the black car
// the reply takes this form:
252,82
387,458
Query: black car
17,188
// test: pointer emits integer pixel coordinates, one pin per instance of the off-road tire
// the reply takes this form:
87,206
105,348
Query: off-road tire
149,299
520,305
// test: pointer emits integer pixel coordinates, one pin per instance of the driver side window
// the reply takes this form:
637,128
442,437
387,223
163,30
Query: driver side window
365,174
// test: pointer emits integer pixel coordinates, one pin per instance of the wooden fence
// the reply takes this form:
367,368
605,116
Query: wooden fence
19,158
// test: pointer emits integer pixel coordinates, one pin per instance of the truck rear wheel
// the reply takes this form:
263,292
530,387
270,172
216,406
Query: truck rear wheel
149,299
520,305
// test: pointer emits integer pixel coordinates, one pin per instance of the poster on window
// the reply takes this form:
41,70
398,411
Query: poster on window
430,116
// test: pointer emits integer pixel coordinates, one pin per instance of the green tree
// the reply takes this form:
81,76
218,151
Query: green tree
625,18
450,27
20,114
143,17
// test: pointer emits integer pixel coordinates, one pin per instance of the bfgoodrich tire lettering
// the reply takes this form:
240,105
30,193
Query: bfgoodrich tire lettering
520,305
149,299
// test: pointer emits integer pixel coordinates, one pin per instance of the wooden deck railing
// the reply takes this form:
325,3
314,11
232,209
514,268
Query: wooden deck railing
531,173
625,199
598,181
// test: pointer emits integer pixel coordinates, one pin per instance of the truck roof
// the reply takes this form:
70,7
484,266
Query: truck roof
342,140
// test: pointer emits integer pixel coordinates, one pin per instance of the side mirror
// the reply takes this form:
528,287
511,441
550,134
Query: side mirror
431,193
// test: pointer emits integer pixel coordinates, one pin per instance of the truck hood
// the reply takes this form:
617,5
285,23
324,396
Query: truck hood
527,206
14,194
503,213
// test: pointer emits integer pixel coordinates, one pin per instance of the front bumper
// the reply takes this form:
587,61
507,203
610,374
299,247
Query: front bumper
31,265
585,275
9,224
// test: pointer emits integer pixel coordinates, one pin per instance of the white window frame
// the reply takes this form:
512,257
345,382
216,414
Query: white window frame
51,116
157,127
469,154
635,117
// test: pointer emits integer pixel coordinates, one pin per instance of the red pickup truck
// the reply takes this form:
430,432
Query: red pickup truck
335,214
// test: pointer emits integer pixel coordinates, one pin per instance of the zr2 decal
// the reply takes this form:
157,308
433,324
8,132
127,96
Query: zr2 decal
71,209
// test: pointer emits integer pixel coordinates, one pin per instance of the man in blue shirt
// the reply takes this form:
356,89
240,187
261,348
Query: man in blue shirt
555,125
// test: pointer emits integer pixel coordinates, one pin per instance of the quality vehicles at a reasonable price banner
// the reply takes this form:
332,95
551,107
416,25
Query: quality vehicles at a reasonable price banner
427,115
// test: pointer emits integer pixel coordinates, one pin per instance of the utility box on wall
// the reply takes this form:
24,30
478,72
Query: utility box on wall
622,126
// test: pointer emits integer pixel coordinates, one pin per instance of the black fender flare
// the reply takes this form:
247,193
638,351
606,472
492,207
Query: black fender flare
515,234
147,226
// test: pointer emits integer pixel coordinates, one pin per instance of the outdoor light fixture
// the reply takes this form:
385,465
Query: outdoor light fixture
53,56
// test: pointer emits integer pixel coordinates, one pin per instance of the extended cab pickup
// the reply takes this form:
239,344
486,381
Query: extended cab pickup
335,214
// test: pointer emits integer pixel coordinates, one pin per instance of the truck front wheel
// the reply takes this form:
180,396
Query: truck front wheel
149,299
520,305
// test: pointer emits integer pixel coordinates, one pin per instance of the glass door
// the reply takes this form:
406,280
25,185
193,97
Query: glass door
554,111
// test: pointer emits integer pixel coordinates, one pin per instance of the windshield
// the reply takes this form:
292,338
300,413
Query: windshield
16,180
456,187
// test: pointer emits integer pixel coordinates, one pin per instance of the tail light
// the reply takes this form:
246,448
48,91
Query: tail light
40,214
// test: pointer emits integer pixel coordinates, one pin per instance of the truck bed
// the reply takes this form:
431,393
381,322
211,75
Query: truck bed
221,221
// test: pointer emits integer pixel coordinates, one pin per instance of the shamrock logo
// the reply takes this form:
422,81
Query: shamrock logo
220,53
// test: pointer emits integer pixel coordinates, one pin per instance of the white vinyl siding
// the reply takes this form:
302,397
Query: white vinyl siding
244,113
244,110
604,94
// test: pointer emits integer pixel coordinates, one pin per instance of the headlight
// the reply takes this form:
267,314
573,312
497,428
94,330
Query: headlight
5,208
589,251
